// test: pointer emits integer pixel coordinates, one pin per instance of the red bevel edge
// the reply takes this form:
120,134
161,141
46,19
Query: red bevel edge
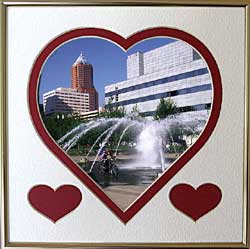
126,215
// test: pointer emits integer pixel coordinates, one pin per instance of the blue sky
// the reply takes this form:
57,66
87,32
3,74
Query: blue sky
108,61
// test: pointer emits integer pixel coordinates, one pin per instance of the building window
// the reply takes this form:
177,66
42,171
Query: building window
157,82
183,91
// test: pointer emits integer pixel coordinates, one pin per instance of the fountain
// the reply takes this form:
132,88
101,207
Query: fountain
150,138
106,140
148,146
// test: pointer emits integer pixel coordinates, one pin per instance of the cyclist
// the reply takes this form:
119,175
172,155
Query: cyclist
106,157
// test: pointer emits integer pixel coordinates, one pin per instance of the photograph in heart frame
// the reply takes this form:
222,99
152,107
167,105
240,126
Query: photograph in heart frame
125,117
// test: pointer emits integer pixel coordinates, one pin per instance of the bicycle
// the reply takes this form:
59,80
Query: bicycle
107,167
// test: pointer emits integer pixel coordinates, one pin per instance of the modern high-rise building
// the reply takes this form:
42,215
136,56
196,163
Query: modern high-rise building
173,71
82,80
81,98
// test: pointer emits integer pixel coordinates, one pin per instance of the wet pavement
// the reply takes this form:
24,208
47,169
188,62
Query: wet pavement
130,182
128,174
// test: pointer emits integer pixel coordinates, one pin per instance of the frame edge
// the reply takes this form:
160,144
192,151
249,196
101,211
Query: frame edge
3,119
246,222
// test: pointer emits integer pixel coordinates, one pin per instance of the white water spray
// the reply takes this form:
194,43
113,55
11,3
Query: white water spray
148,146
98,139
150,141
105,141
79,127
72,142
122,135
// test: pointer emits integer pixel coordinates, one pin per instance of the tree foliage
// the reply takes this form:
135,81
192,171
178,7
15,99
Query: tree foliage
111,110
165,108
135,110
59,124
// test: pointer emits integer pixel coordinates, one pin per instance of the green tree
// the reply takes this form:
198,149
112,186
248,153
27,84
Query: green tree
135,110
111,110
135,113
165,108
59,124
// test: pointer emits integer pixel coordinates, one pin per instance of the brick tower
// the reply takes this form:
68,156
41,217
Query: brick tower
82,80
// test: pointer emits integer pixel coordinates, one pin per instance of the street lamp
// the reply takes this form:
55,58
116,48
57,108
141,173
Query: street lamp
58,117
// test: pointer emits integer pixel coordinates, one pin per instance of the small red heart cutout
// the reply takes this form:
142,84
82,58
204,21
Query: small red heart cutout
54,204
195,202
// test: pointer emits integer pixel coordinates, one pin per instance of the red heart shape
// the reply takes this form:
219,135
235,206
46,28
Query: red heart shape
54,204
125,43
195,202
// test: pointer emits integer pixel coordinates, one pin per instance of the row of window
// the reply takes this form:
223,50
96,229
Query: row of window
66,108
199,107
159,81
73,94
72,101
183,91
73,97
63,103
72,105
62,92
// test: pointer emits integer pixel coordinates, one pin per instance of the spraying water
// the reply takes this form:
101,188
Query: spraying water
150,142
105,141
147,145
72,142
98,139
74,130
122,135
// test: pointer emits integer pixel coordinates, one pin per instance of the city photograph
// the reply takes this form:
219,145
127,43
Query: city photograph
124,117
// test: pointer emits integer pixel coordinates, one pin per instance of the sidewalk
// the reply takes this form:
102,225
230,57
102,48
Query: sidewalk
124,195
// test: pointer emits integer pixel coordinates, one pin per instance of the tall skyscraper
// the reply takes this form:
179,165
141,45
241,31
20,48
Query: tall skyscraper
82,80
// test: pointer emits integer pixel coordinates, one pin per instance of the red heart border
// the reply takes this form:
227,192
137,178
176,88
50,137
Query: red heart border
126,215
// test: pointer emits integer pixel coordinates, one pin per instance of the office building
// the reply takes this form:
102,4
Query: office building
174,71
82,80
82,97
65,100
